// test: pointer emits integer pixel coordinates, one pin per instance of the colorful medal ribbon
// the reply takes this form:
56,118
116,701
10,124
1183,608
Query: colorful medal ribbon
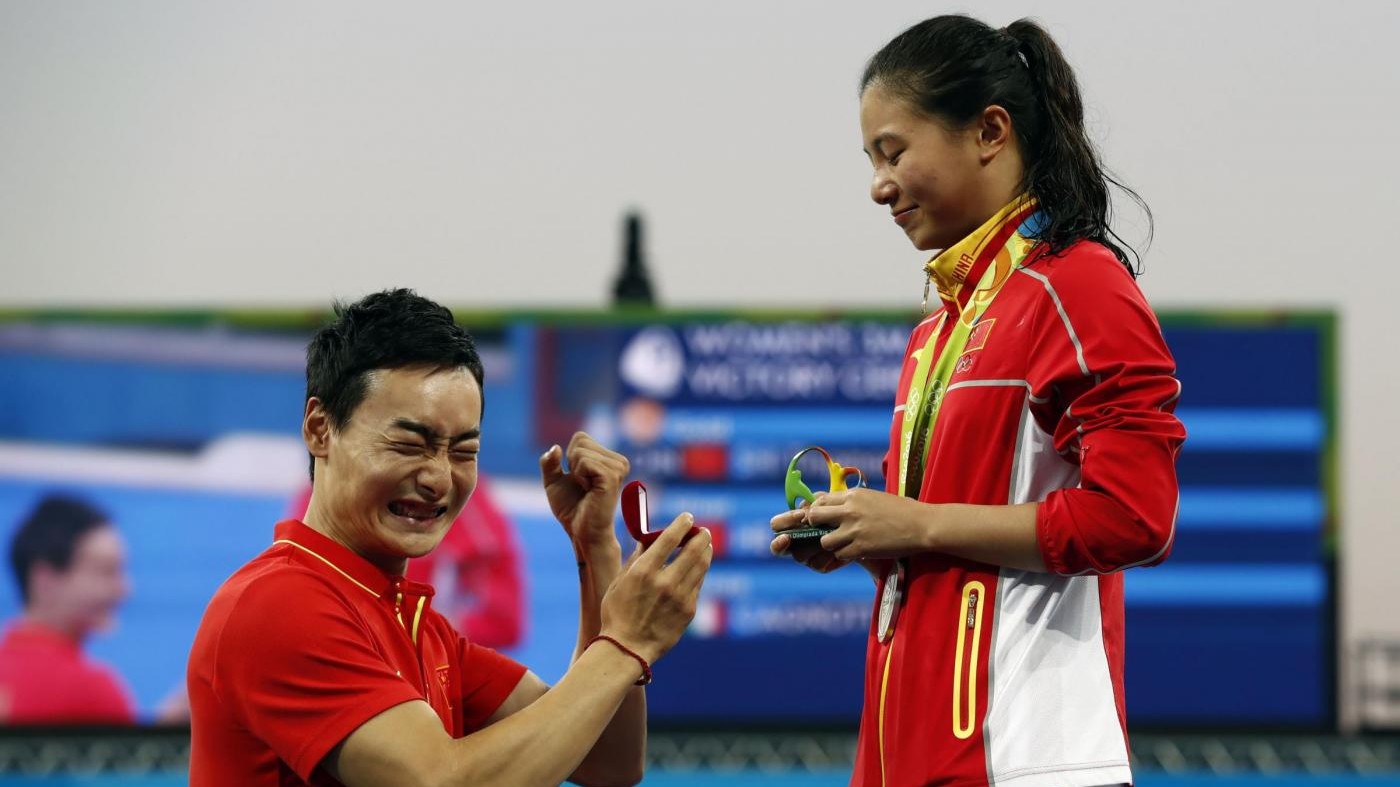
968,276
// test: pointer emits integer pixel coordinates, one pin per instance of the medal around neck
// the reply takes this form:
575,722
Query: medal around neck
889,602
638,519
795,488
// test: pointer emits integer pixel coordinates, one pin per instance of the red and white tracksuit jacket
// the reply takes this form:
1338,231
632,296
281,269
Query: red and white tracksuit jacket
1065,397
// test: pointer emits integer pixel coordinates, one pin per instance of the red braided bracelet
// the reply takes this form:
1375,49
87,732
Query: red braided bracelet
646,668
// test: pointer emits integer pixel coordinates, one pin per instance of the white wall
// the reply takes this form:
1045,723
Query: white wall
280,153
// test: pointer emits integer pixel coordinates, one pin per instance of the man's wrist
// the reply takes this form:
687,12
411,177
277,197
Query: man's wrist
646,650
643,661
597,550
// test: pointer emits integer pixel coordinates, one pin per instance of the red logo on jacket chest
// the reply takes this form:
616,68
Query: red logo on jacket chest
444,676
976,340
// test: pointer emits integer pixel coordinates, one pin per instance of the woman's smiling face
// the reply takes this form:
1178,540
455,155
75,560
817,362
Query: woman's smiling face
929,176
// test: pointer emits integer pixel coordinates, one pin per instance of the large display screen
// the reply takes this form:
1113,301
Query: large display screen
182,433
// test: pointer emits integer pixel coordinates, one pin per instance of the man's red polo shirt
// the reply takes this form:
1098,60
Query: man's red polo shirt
307,642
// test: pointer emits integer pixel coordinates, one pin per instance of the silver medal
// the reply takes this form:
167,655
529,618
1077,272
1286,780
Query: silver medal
889,604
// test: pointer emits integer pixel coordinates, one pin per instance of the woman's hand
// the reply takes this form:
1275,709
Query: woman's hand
807,551
871,524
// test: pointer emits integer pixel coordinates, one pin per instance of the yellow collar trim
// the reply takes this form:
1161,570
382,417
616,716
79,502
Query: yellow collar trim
948,271
327,561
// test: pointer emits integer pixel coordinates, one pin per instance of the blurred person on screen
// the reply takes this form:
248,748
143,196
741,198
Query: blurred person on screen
1032,451
70,565
319,662
477,570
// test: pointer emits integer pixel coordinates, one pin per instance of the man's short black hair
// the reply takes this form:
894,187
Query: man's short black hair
50,534
387,330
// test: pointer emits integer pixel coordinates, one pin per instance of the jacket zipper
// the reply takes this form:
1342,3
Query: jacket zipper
965,677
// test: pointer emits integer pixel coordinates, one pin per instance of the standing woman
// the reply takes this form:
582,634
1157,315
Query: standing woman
1032,453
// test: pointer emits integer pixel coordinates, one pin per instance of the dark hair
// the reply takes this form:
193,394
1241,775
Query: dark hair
49,535
387,330
954,67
